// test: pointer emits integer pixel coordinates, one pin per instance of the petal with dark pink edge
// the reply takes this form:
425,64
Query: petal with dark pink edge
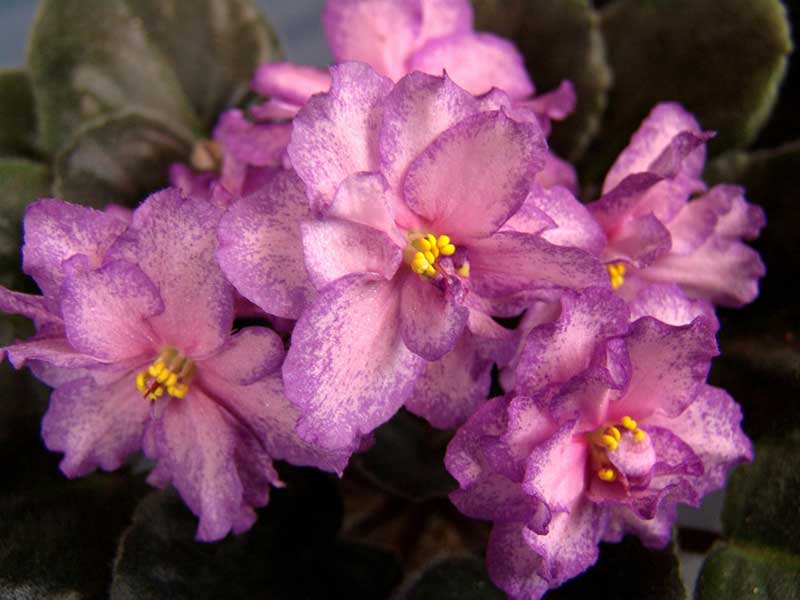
336,134
432,318
529,219
477,62
557,172
525,565
95,425
654,135
348,370
721,271
475,175
174,241
54,351
28,305
195,441
54,231
260,249
555,474
574,226
557,351
290,82
654,533
557,104
252,143
737,218
510,262
250,354
416,111
108,313
711,427
190,182
451,388
668,303
382,33
443,17
363,198
334,248
634,459
691,227
668,366
265,414
640,241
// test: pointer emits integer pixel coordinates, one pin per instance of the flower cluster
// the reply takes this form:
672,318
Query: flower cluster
381,216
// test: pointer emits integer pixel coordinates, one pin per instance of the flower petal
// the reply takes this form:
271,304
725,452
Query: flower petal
557,172
477,62
251,354
475,175
290,82
174,241
255,144
336,134
509,262
108,312
669,304
382,33
574,225
54,351
363,198
347,370
443,17
28,305
260,249
95,425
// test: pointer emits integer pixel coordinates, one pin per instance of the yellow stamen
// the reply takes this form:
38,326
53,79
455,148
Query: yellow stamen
639,435
423,251
616,271
607,474
609,442
463,270
628,423
613,431
171,372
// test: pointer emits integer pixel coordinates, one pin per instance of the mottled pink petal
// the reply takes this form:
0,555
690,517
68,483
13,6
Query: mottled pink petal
347,369
737,218
190,182
95,425
249,355
364,198
654,533
290,82
668,366
431,318
444,186
54,351
416,111
668,303
633,458
55,231
28,305
334,248
443,17
451,388
252,143
574,226
664,122
382,33
509,262
108,312
557,172
640,241
260,249
336,134
174,241
477,62
557,104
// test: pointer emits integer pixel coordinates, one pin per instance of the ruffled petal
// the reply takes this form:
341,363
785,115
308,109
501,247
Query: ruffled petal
95,425
54,232
108,313
669,304
35,308
574,225
249,143
347,370
260,249
475,175
477,62
509,262
382,33
336,134
56,352
364,198
174,241
251,354
557,172
290,82
443,17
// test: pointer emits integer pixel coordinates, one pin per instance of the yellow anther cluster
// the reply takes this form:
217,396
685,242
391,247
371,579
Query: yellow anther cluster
171,372
606,439
617,273
425,252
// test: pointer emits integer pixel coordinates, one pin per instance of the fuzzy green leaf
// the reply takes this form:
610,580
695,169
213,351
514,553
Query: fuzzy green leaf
560,39
452,578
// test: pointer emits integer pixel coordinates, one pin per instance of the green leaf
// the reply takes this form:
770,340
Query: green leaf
560,39
723,59
17,117
117,159
627,570
291,551
762,556
182,61
407,459
57,540
452,578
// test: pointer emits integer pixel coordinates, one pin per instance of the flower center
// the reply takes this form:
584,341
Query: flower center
422,252
616,271
606,439
171,372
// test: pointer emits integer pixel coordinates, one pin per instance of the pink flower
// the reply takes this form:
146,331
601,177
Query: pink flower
611,425
659,232
134,332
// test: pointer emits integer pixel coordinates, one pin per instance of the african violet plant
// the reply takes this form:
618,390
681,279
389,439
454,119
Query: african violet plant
503,318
